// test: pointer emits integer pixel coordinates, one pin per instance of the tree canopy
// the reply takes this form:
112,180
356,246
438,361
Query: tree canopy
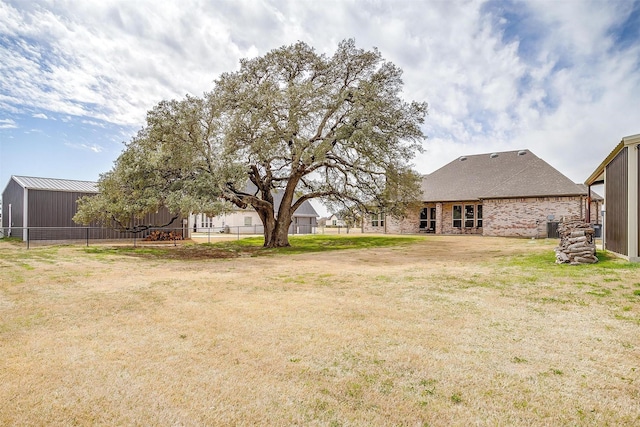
292,121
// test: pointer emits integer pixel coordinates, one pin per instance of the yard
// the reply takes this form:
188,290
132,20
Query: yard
439,331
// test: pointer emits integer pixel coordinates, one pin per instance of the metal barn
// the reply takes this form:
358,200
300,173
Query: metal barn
45,207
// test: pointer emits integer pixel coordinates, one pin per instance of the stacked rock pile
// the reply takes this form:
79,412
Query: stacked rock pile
577,243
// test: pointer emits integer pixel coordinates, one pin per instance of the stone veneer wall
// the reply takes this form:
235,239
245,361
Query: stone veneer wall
447,219
501,217
517,217
410,224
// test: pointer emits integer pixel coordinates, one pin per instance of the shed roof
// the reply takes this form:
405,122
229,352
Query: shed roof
597,177
55,184
507,174
594,196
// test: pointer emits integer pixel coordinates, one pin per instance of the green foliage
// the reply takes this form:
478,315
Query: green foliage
293,121
9,239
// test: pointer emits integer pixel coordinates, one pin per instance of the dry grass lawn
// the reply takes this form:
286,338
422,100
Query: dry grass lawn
448,331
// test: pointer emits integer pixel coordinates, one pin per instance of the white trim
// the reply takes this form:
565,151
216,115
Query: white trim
25,213
632,198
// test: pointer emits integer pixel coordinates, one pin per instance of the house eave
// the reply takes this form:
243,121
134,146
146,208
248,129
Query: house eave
526,196
597,177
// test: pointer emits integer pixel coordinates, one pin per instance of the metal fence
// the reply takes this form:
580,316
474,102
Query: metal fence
86,235
212,234
99,235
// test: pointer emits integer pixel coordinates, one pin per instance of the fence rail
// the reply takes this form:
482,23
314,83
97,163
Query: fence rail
87,235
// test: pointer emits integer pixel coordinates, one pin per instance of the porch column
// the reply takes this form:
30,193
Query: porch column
25,214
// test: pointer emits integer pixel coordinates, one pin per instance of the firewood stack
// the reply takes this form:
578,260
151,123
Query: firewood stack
577,243
158,236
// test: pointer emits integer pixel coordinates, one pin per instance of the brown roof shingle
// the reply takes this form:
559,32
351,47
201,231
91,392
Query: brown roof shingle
500,175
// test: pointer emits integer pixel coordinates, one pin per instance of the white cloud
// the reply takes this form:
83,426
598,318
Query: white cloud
8,124
40,116
93,123
86,147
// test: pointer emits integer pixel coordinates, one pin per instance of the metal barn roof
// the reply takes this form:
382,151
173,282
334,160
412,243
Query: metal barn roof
54,184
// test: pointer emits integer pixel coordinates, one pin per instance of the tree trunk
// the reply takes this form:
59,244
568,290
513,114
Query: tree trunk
268,224
280,236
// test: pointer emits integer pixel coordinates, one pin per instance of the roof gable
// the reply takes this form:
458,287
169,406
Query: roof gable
306,209
507,174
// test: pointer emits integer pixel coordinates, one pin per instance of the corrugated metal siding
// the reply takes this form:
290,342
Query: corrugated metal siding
13,195
616,190
53,208
162,217
57,208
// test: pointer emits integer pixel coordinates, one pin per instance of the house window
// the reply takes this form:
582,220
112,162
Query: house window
247,221
428,219
377,219
334,222
457,216
205,221
432,219
479,216
469,215
424,218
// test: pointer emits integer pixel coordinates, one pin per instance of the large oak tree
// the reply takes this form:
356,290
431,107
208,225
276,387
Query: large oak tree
292,121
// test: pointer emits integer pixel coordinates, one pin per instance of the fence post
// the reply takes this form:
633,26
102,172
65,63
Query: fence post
87,236
209,235
27,237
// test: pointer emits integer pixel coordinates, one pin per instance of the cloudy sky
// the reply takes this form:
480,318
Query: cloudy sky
559,77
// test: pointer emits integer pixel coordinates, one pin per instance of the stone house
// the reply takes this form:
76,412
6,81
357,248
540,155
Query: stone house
511,193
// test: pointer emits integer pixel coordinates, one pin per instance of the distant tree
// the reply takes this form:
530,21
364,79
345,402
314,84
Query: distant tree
292,121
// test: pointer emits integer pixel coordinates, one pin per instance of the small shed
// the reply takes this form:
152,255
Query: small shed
619,172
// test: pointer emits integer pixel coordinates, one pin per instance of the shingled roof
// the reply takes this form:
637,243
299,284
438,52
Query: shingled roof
507,174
